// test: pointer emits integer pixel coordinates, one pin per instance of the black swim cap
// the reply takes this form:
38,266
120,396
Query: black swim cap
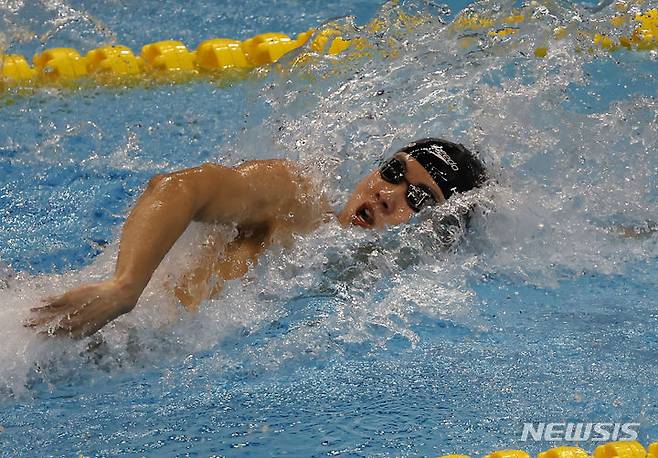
453,167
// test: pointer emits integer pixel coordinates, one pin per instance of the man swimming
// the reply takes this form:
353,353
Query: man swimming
269,202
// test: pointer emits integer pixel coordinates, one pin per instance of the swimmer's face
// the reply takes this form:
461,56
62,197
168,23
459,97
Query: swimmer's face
376,203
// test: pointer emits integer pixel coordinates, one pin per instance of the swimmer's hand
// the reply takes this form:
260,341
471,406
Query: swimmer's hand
82,311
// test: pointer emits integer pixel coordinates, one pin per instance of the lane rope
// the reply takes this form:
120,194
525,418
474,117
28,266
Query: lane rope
618,449
170,60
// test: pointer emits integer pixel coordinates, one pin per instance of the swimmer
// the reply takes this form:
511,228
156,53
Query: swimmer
269,202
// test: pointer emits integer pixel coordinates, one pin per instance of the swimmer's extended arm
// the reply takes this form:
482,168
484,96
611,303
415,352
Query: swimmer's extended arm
209,193
163,212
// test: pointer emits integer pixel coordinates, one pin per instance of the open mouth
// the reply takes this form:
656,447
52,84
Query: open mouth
364,216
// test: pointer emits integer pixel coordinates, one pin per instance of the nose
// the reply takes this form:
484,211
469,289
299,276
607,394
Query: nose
386,201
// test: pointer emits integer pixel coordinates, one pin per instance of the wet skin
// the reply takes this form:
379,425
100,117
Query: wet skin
269,201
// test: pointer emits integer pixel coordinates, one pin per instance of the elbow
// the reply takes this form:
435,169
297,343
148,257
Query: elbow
169,183
173,187
155,180
197,189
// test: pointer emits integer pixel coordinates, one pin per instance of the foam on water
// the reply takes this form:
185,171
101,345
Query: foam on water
571,155
567,173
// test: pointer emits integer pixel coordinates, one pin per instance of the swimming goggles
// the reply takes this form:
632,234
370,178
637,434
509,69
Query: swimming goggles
418,196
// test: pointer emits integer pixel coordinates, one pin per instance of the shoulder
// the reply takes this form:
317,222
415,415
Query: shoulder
255,176
275,192
263,180
271,168
294,200
282,177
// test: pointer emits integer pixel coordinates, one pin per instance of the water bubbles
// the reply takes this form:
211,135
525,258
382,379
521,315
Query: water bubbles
564,180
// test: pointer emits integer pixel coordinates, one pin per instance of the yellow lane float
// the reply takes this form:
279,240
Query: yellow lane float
166,60
168,57
618,449
644,37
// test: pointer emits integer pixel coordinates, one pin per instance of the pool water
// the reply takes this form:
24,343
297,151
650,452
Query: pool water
350,343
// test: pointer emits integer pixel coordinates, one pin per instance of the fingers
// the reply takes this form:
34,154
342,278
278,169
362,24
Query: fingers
79,312
52,302
75,324
75,328
62,327
42,315
34,322
55,319
44,321
40,318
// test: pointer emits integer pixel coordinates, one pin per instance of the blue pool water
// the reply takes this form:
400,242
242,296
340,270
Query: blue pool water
350,343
